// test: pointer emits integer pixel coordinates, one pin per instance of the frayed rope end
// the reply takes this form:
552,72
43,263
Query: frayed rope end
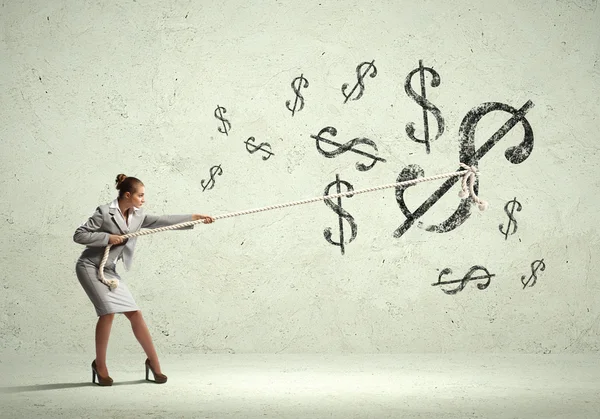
112,283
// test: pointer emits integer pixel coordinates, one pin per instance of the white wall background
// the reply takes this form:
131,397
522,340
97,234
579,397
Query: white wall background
93,89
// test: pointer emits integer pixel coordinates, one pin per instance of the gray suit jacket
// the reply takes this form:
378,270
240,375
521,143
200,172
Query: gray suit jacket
95,231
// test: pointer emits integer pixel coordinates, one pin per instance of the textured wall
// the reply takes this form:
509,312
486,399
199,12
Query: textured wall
90,90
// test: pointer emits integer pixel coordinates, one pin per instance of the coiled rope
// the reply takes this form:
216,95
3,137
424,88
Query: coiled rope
467,189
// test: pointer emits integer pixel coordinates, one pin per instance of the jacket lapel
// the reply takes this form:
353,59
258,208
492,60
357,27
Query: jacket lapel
136,220
118,220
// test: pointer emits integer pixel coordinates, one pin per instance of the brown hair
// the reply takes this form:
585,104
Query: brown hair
127,184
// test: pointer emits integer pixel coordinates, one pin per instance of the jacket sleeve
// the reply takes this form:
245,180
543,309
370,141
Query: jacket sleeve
88,233
156,221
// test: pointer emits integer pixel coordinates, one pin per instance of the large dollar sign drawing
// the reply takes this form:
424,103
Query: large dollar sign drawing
361,76
226,124
342,213
215,170
468,155
425,104
538,264
297,84
511,218
349,146
250,143
468,277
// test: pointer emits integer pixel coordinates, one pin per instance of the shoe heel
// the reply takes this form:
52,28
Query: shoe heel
158,378
102,381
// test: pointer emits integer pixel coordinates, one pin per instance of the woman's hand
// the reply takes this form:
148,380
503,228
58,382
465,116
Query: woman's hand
205,218
114,239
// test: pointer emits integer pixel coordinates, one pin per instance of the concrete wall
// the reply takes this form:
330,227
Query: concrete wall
93,89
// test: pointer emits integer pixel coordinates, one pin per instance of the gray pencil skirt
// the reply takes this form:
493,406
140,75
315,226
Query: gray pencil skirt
105,301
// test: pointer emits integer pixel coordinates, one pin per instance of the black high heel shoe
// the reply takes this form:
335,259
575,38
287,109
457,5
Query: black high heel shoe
102,381
158,378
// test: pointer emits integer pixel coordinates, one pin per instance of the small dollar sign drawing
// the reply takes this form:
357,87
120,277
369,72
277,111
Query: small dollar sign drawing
249,143
425,104
361,76
535,265
468,277
349,146
511,218
297,84
215,170
342,213
226,124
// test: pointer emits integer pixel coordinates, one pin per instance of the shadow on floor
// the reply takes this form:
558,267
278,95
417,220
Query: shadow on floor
59,386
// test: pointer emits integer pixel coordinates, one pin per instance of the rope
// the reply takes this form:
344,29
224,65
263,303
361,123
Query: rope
467,188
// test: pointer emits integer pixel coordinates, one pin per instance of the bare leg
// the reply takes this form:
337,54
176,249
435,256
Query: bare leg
102,334
142,334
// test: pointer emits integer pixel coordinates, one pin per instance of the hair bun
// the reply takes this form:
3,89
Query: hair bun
120,178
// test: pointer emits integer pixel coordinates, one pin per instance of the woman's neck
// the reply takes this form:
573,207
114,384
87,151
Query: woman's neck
123,207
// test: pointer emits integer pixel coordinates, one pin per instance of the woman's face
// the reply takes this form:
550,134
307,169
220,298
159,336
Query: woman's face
137,199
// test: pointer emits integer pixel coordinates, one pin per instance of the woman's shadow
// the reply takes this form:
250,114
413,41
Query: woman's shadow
59,386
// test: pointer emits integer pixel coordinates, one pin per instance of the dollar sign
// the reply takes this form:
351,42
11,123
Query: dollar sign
511,218
226,124
297,84
342,213
349,146
369,66
469,155
425,104
468,277
255,148
215,170
535,265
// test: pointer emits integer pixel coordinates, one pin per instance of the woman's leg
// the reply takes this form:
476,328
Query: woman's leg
102,334
142,334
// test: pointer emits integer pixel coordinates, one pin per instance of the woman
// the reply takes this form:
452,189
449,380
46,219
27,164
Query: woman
123,215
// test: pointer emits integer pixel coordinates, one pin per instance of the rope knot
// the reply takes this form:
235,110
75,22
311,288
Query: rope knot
468,185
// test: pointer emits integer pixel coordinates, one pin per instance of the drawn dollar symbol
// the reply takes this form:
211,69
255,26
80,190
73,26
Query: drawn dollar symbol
349,146
215,170
468,277
511,218
297,84
361,76
425,104
262,147
468,155
342,213
538,264
226,124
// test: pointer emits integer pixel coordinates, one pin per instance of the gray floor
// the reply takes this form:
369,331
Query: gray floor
306,386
